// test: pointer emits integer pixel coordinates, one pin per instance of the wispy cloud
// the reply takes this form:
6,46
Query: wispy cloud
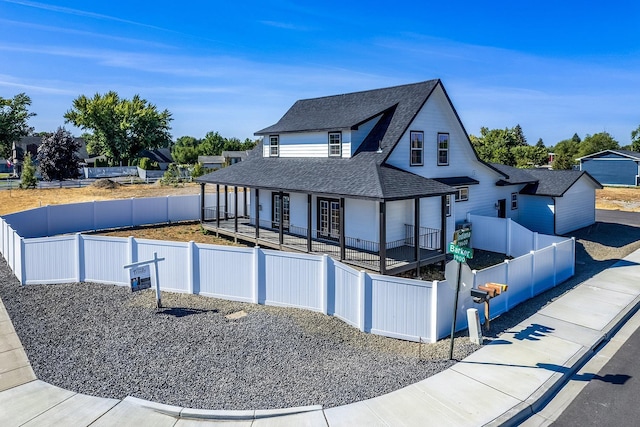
65,30
77,12
285,25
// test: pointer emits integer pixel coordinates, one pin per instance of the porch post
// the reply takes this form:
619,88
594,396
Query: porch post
443,226
257,210
309,222
416,232
235,208
342,237
382,249
218,205
244,198
226,203
281,228
202,184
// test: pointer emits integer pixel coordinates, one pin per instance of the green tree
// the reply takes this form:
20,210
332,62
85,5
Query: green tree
121,127
496,145
28,177
566,152
527,156
540,144
576,138
635,139
57,156
596,143
563,162
185,150
211,145
14,115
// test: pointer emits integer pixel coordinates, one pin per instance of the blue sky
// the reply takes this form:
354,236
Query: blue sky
554,67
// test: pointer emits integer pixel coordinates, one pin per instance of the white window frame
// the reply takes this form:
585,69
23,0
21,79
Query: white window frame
443,138
447,205
274,145
335,148
462,195
514,201
413,149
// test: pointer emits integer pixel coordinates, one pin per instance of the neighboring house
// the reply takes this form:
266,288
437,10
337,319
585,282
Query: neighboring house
233,157
553,201
613,167
162,156
30,144
363,176
211,162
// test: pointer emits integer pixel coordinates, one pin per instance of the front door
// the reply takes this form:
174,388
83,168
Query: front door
275,210
329,218
502,208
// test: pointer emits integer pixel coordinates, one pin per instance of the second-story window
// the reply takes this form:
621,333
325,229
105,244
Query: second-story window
274,146
443,149
417,148
335,144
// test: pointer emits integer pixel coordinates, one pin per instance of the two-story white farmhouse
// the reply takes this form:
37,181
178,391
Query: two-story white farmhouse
363,176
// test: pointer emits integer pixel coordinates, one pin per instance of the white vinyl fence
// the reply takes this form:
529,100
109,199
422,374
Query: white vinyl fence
506,236
385,305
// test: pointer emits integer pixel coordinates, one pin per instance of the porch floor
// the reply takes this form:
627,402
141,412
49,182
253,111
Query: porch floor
398,259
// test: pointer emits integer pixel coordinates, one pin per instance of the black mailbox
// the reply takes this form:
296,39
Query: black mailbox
479,296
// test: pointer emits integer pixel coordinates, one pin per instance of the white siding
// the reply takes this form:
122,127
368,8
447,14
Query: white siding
308,144
435,117
361,219
577,207
536,213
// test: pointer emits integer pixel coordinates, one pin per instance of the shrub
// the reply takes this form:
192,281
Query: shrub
28,178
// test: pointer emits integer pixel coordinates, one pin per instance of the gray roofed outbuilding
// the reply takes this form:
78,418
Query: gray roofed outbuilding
542,182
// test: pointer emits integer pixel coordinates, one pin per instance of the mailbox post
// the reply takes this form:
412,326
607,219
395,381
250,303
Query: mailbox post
485,293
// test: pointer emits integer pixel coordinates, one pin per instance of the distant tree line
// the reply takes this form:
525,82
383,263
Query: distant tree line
116,128
509,146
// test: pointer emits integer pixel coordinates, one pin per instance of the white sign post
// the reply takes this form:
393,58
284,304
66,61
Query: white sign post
140,276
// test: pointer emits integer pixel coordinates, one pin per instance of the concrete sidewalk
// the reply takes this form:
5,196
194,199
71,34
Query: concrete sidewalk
503,383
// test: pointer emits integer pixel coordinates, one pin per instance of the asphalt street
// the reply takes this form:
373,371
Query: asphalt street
611,395
618,217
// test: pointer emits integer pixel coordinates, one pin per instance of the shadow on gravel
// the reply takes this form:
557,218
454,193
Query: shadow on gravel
182,312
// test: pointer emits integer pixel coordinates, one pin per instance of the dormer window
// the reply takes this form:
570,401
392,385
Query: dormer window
335,144
274,145
417,148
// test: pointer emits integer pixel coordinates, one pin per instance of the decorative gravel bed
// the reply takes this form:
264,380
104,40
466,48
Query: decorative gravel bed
105,341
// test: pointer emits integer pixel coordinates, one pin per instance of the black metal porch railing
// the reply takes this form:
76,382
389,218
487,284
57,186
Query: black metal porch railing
429,237
357,251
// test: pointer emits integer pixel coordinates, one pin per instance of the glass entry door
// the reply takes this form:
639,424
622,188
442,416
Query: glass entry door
275,210
329,218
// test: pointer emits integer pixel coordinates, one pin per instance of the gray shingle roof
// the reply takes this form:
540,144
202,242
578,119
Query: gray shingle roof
543,182
349,110
339,177
365,174
626,153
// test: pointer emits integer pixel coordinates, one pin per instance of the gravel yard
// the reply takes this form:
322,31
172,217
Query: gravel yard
103,340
